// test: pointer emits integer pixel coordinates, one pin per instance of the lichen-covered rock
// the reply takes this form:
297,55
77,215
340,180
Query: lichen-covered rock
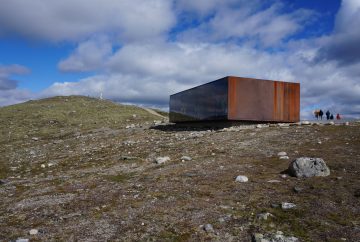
308,167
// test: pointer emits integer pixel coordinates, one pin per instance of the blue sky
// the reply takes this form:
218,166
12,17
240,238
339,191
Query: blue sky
142,51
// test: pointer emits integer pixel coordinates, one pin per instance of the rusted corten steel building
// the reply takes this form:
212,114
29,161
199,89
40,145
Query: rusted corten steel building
238,99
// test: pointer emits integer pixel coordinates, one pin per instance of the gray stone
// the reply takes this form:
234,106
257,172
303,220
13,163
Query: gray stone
280,237
22,240
308,167
284,157
257,237
33,231
285,205
35,138
297,189
209,228
241,179
282,153
275,205
264,216
162,160
277,237
185,158
305,123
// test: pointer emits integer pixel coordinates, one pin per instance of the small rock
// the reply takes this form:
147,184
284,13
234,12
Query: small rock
346,123
286,205
221,220
241,179
209,228
285,157
43,166
264,216
284,176
282,153
22,240
273,181
162,160
308,167
131,126
33,231
257,237
275,205
297,189
35,138
2,182
185,158
305,123
319,142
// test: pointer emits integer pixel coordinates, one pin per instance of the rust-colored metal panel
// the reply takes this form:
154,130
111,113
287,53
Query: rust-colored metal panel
263,100
238,99
250,100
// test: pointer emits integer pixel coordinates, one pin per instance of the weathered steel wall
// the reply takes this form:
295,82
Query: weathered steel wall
205,102
262,100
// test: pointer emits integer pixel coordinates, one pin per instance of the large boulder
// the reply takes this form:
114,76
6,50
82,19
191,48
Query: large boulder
308,167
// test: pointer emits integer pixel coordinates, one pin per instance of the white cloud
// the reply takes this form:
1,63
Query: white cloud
9,94
343,45
6,71
89,55
78,19
265,25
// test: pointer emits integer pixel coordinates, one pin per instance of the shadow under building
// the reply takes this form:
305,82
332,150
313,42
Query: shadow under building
237,99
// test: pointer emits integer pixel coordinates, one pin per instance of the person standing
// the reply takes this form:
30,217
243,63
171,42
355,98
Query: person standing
338,116
327,114
331,117
321,113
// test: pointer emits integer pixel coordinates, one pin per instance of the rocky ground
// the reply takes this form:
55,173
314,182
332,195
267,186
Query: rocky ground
81,169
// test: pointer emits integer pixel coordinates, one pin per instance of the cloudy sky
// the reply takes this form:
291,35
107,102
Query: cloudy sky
141,51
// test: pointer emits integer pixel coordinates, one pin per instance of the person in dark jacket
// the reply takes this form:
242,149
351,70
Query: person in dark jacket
321,113
327,114
331,117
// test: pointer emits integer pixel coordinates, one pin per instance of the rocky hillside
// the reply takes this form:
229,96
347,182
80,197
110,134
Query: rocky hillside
82,169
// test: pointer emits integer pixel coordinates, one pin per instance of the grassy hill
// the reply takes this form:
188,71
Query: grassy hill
61,116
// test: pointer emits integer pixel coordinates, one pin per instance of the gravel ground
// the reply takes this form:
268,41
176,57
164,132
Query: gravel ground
102,183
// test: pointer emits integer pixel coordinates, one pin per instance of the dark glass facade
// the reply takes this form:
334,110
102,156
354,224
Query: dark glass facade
205,102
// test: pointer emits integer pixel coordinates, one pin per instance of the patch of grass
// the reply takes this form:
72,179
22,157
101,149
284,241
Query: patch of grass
290,221
169,235
4,170
121,177
341,219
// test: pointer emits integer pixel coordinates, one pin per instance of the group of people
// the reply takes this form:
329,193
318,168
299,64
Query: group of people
329,116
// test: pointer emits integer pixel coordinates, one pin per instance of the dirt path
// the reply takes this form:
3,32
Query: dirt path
153,112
